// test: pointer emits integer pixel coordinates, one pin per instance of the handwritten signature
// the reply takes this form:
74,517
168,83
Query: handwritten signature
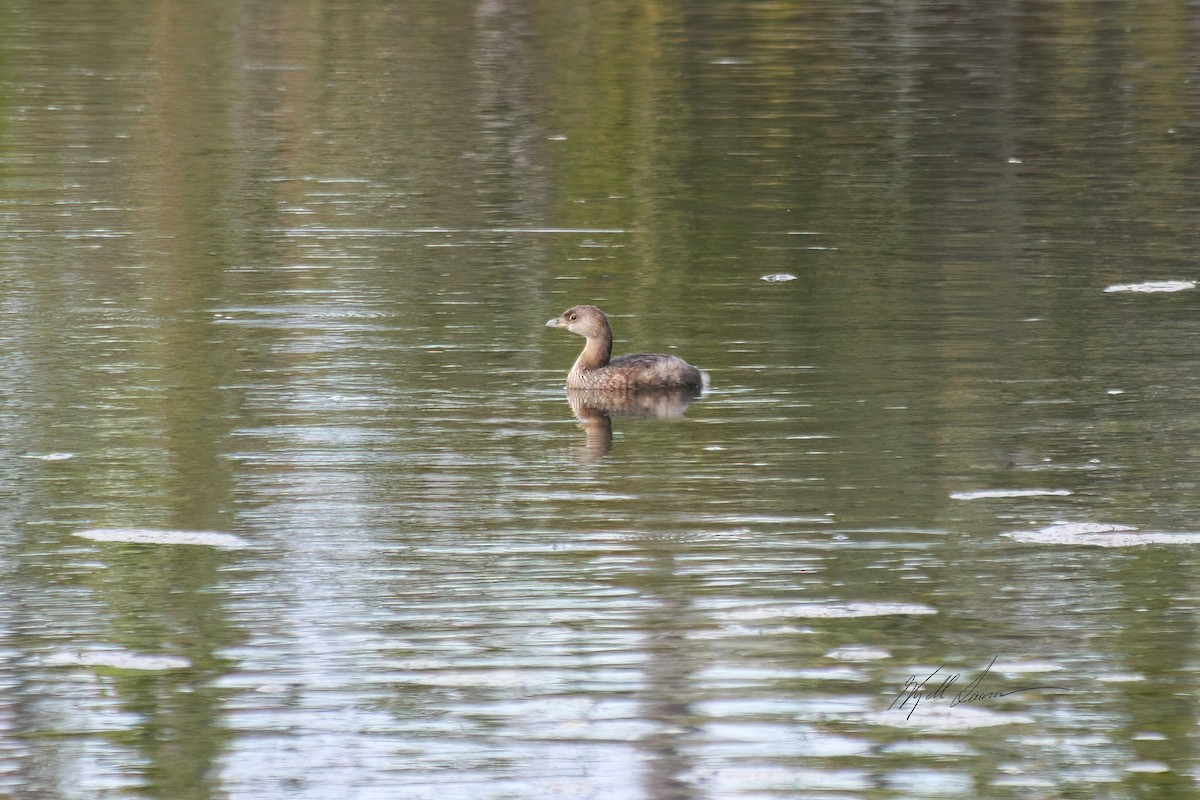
915,690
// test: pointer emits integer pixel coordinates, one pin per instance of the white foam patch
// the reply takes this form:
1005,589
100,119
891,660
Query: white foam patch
983,494
779,277
115,659
50,456
1147,766
943,717
1148,287
1101,534
823,611
225,541
1025,667
1119,677
857,652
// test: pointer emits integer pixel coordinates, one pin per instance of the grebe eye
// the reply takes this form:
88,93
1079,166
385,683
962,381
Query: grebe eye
573,317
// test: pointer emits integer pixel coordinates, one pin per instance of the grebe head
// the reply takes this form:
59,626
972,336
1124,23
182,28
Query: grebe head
587,321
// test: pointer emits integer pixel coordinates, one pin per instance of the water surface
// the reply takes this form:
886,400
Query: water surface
296,505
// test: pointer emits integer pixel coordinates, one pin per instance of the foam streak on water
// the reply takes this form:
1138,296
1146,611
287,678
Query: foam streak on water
225,541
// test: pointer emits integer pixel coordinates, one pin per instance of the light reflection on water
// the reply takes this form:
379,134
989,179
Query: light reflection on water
282,279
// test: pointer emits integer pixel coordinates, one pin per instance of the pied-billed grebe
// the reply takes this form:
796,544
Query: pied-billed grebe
640,371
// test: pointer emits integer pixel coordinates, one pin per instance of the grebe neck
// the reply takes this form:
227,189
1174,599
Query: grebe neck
596,352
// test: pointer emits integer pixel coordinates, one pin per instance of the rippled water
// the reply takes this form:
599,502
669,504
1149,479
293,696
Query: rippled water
296,505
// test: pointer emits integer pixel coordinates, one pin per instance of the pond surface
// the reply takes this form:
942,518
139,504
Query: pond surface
295,504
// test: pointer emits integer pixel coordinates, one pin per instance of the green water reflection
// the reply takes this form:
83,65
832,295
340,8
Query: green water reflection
280,269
